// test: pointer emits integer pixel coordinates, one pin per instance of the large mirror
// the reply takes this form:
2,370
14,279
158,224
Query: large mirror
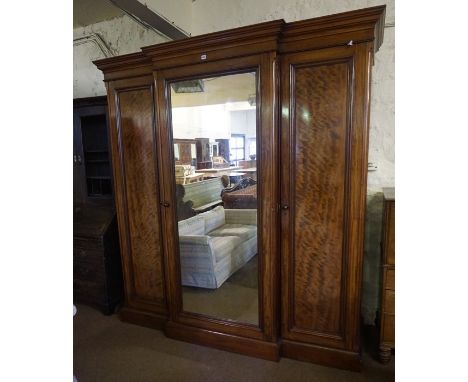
214,130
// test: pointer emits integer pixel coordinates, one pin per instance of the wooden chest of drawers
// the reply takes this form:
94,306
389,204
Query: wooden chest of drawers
97,270
387,308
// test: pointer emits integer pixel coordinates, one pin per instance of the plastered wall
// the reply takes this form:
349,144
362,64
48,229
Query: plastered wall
124,35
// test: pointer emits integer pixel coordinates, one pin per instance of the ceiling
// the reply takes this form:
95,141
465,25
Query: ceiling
86,12
218,90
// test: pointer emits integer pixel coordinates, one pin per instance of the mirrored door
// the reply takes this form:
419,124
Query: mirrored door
216,195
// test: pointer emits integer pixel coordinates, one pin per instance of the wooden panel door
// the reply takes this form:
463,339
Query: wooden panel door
323,186
132,124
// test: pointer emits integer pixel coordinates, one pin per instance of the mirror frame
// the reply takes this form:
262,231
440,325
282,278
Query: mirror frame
267,196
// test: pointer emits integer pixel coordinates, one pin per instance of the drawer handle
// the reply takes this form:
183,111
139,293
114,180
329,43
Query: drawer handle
164,204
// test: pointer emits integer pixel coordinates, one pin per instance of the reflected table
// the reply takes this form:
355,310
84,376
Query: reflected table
251,172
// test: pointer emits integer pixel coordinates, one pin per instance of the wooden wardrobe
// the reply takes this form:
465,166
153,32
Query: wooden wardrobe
312,117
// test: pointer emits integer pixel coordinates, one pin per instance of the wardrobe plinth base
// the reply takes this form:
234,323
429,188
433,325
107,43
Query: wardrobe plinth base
142,318
341,359
222,341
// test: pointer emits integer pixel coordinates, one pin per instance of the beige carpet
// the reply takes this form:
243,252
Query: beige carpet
108,350
236,299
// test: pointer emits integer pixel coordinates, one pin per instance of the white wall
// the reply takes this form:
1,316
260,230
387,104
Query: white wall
122,35
208,121
214,15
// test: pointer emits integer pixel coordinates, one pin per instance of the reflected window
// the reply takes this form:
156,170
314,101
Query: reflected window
237,147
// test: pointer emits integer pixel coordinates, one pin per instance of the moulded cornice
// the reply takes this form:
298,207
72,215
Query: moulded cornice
131,59
232,37
363,25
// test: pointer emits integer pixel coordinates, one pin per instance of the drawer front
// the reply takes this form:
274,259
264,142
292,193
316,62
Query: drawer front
88,243
389,302
88,255
89,271
88,291
390,279
388,329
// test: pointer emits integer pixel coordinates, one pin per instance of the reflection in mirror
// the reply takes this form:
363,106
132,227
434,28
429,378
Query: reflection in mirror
214,133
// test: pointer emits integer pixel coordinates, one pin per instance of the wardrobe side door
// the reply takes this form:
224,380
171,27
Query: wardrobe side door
323,184
132,131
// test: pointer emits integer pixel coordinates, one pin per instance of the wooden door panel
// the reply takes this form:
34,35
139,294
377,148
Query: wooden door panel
320,146
320,114
135,110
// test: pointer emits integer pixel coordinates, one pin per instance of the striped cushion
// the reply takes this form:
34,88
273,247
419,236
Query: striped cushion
244,232
241,216
213,219
192,226
223,246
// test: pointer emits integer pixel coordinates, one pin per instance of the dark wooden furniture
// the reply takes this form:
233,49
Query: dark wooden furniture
387,306
244,198
91,160
223,146
185,151
97,272
310,230
203,153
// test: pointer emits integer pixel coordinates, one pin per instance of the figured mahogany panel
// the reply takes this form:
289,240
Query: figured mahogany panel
321,101
141,188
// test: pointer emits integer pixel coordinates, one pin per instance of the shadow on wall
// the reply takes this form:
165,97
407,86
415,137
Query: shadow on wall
371,269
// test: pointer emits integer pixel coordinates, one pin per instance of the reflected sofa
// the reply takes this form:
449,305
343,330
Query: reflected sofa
215,244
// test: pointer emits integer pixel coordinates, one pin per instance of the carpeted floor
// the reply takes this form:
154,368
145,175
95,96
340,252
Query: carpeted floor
108,350
236,299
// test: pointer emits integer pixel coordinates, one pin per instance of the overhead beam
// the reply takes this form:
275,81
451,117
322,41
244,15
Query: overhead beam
145,15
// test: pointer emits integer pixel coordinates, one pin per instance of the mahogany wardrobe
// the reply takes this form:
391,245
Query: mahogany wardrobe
280,274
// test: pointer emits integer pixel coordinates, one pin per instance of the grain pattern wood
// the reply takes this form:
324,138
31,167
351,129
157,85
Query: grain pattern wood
131,110
341,359
325,126
314,177
318,207
136,134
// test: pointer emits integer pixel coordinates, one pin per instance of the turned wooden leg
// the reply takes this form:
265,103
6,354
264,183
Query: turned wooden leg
385,353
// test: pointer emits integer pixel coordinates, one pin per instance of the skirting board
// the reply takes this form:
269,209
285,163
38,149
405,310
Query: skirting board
228,342
340,359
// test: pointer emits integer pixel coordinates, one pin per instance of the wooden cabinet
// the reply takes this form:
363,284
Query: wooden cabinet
97,272
387,307
312,113
91,160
